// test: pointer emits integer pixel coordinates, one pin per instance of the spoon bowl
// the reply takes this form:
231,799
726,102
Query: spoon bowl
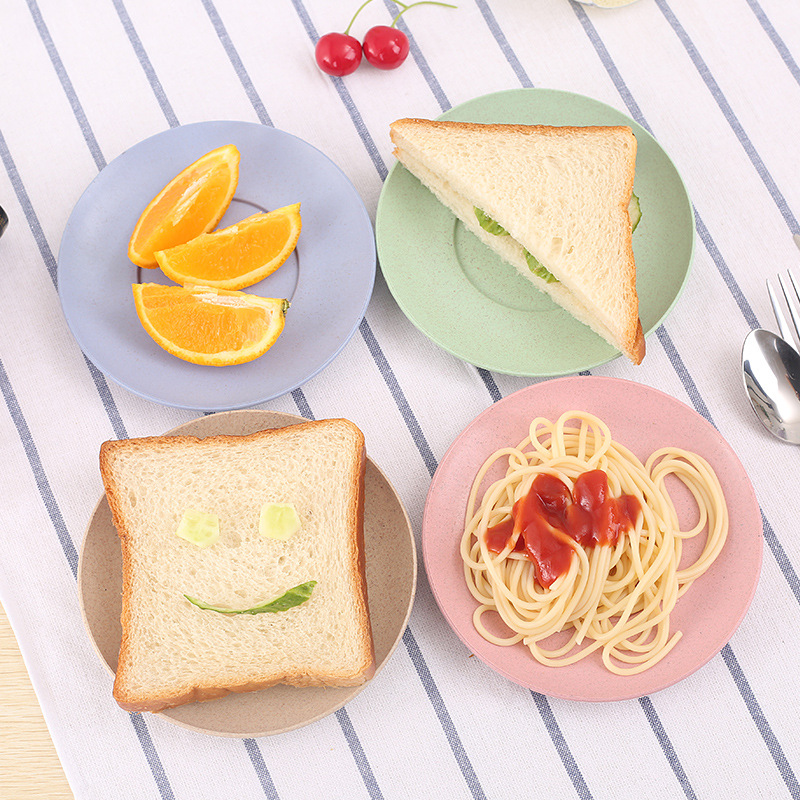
771,371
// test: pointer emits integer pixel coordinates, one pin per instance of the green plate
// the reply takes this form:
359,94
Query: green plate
479,308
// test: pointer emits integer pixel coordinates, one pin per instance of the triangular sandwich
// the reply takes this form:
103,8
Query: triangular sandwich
552,201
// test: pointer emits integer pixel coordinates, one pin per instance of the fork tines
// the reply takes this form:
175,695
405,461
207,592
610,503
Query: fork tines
792,297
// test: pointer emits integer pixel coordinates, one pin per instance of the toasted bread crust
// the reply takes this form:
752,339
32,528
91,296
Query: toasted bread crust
200,690
512,127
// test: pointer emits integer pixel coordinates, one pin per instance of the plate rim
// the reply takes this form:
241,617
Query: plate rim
751,501
243,402
486,363
349,692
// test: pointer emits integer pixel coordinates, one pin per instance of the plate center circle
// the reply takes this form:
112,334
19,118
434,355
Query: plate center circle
493,277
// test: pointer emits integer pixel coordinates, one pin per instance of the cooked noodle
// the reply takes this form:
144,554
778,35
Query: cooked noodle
616,598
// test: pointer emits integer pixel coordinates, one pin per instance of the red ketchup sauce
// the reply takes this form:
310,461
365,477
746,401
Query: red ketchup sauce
549,515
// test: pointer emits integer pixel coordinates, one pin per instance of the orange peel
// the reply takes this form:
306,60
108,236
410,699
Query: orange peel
237,256
210,326
192,203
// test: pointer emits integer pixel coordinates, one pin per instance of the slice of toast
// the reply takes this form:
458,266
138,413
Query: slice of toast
560,196
174,651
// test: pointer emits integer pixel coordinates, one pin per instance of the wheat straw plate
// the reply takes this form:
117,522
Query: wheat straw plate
470,302
391,567
643,420
328,278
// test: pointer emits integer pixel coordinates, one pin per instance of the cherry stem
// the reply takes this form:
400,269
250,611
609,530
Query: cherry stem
420,3
347,29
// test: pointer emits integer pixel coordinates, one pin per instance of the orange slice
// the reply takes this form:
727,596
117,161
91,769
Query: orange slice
192,203
210,326
238,256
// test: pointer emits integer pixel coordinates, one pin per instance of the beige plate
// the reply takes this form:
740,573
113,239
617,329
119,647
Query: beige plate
391,580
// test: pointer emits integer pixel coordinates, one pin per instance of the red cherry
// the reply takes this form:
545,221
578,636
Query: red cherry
338,53
385,47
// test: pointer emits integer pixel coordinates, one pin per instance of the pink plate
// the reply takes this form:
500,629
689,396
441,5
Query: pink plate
643,420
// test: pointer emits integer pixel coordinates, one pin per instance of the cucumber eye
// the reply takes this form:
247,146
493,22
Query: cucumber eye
278,521
199,527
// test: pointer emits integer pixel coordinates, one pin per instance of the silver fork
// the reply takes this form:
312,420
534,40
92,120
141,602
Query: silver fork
792,297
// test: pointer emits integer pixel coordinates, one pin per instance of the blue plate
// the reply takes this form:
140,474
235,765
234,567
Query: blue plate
328,279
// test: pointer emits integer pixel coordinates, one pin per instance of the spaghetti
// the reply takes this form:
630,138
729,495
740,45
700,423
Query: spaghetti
580,538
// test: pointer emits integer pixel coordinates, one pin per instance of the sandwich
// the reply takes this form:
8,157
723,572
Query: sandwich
557,203
243,562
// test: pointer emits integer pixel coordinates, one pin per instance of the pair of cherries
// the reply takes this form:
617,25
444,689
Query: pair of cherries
385,47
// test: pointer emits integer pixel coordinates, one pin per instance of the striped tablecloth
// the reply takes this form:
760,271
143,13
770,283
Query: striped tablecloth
716,83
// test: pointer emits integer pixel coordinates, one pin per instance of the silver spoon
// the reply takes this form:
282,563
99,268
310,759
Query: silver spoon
771,369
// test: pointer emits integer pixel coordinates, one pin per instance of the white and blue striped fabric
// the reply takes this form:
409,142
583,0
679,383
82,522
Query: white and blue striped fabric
717,84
